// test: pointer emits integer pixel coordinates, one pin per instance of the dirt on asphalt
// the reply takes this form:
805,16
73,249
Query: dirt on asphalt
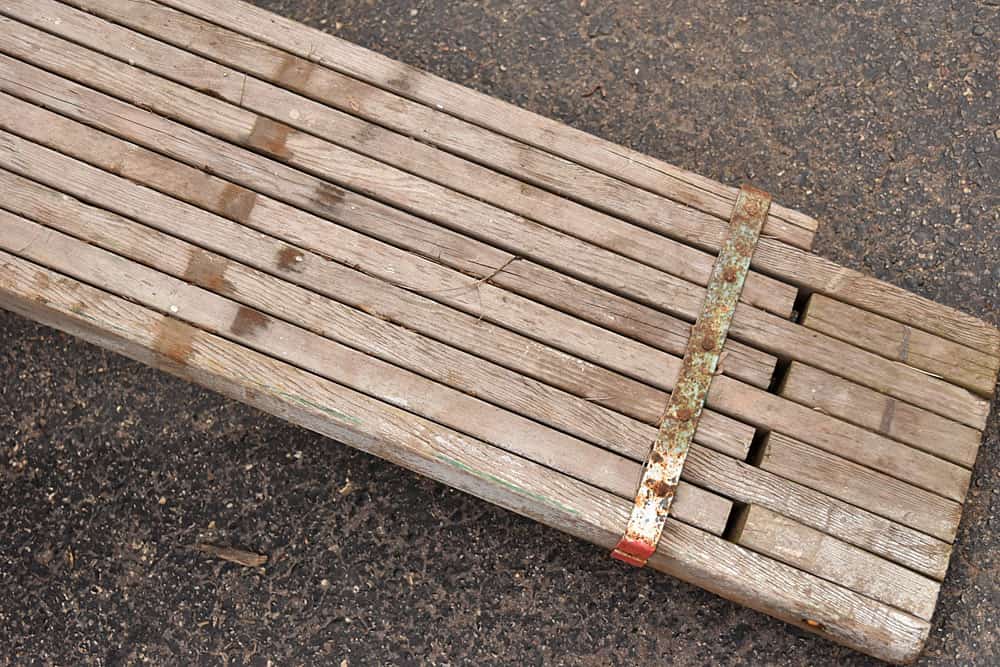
879,118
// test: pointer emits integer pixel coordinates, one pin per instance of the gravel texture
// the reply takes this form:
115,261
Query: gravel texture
879,118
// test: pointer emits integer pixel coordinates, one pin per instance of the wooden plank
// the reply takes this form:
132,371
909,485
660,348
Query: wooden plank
749,484
449,98
748,404
460,461
622,315
375,141
361,372
775,256
578,417
468,332
954,362
859,405
360,331
807,549
861,486
516,235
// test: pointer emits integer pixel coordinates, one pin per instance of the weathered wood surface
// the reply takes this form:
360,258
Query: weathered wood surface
861,486
741,401
511,233
592,383
307,230
582,418
883,414
810,550
322,356
375,141
965,366
775,256
455,459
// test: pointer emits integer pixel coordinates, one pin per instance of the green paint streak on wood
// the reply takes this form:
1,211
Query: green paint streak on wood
336,414
502,482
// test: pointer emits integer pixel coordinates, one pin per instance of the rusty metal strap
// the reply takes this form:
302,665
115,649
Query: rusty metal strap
679,422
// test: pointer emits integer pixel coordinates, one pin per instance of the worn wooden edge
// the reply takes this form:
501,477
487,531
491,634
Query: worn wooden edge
810,550
901,421
202,61
346,366
484,111
581,260
957,363
809,271
876,492
748,404
461,462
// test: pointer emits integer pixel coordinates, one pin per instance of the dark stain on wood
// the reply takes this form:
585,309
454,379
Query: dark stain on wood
236,202
208,271
270,137
887,416
41,281
248,322
294,72
402,80
289,259
328,197
904,347
366,134
174,340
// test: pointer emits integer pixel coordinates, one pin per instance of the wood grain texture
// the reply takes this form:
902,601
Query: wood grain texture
961,365
331,119
810,550
883,414
861,486
749,484
513,234
779,255
459,461
364,373
579,417
286,257
746,403
584,420
505,119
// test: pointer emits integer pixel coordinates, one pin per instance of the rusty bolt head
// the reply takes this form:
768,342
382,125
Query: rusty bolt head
730,274
683,414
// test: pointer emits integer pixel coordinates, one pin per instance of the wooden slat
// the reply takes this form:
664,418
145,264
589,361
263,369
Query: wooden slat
954,362
512,233
749,484
783,539
468,332
599,306
883,414
755,407
774,256
746,403
322,356
861,486
449,98
581,418
374,140
460,461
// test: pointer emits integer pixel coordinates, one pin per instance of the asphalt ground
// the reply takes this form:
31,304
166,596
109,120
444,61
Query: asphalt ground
881,119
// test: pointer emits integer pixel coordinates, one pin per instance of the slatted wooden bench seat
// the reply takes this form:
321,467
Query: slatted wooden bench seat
486,297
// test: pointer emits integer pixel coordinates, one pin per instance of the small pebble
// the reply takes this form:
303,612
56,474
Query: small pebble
979,30
173,308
